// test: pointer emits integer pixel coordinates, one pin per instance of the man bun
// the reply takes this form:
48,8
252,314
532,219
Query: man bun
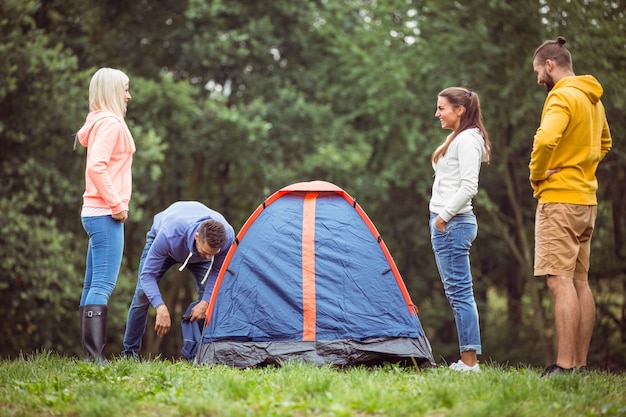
554,50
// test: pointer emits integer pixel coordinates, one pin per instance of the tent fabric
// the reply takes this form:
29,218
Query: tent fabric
309,278
192,334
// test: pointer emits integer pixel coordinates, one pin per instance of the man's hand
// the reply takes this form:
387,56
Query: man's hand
199,311
535,183
163,321
552,171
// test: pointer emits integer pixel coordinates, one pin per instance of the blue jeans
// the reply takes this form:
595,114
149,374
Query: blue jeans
451,250
139,306
104,257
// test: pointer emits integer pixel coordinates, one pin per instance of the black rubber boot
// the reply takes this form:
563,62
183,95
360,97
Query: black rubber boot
93,329
81,310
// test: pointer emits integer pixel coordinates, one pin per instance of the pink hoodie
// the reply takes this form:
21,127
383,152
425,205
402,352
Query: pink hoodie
108,179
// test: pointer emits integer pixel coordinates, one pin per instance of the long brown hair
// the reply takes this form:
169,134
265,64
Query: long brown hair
471,118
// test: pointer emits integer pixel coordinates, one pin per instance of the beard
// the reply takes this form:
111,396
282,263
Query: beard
548,81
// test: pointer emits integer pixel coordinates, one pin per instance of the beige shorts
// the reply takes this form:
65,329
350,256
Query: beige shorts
563,239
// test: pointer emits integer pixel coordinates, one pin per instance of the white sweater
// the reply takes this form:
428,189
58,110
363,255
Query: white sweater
456,175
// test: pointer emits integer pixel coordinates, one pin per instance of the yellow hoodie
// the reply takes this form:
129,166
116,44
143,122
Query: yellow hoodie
573,136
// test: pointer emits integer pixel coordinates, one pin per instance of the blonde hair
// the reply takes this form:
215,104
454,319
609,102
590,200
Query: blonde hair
107,91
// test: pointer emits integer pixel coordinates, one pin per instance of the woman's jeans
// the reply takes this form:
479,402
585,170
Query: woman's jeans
451,250
104,257
140,305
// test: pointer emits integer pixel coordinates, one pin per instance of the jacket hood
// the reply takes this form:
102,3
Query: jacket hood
93,117
588,84
190,247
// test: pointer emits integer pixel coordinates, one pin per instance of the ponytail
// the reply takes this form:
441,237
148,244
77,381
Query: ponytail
471,118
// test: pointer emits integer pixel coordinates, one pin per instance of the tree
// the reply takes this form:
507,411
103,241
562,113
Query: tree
40,266
234,100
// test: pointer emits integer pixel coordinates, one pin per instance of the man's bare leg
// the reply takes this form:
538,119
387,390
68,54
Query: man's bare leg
587,307
566,318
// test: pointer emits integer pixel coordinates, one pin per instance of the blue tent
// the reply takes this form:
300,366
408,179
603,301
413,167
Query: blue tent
310,278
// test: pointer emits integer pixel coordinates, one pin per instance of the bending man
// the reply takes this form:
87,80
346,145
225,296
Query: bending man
186,233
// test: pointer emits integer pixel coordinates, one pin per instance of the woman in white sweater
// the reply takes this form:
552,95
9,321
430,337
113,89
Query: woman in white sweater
453,225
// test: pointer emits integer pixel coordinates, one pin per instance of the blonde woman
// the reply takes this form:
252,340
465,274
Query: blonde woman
108,185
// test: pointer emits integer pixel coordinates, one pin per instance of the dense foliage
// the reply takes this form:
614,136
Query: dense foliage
233,100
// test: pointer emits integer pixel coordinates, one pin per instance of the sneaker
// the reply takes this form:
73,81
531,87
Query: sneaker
555,369
129,355
459,366
582,369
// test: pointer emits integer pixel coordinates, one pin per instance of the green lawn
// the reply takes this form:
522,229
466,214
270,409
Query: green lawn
49,385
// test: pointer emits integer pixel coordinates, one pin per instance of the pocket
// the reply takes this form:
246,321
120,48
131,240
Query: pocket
469,232
433,229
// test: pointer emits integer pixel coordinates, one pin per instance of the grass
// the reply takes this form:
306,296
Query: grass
46,384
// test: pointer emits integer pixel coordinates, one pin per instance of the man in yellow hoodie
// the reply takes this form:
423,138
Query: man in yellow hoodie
571,141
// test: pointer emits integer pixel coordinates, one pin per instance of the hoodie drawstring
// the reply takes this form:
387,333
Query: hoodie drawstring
185,263
208,271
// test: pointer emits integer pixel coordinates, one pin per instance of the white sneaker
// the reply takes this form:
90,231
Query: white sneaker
461,367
